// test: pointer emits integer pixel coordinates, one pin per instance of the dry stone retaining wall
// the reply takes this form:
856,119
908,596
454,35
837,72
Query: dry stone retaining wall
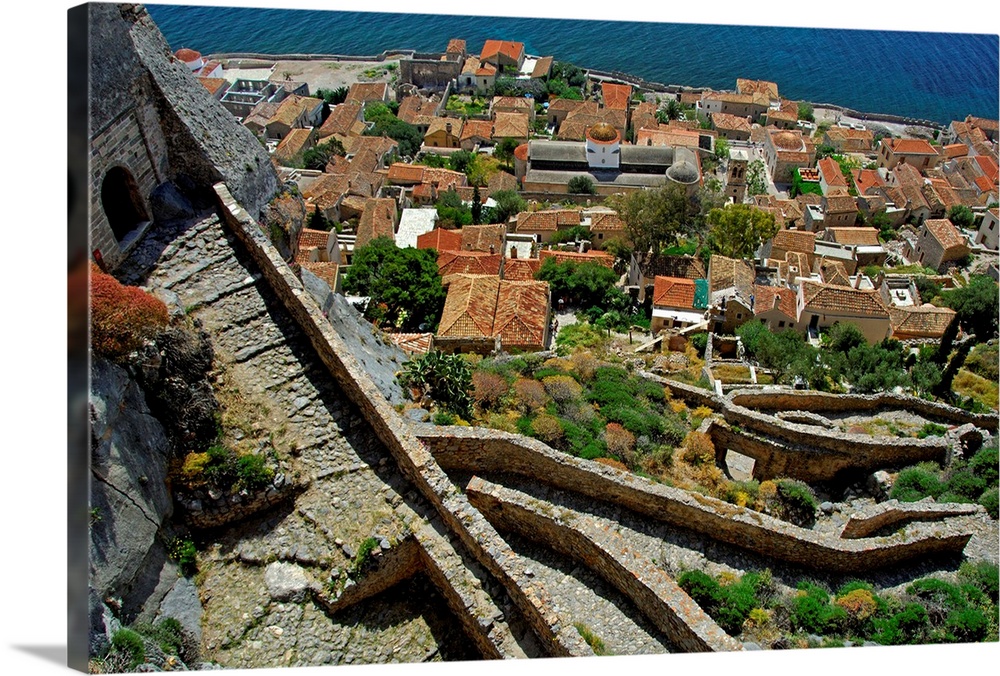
895,514
478,450
414,461
656,595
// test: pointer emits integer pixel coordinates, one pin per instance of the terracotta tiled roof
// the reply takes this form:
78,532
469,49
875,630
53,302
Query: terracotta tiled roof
616,96
830,171
327,190
481,129
866,178
843,300
510,125
798,263
910,146
945,233
400,172
988,166
644,115
288,111
730,122
444,178
455,45
412,343
851,139
501,180
324,270
310,238
854,236
377,220
982,123
779,114
362,92
294,143
984,184
521,269
592,256
795,240
926,321
764,299
725,273
441,240
488,238
423,191
834,273
557,104
469,262
840,204
213,84
469,307
337,164
341,119
606,222
744,86
521,313
542,67
673,292
493,48
510,103
546,221
684,267
413,107
667,136
187,55
444,124
954,150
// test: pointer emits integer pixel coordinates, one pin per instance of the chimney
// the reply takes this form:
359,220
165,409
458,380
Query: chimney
447,127
777,301
492,249
513,252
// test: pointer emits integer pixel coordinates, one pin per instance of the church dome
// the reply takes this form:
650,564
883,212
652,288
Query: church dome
786,140
602,132
187,55
683,172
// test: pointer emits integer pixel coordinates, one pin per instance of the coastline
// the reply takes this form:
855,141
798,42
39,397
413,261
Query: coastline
647,85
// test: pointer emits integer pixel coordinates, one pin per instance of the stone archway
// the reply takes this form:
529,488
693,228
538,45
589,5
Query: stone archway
122,202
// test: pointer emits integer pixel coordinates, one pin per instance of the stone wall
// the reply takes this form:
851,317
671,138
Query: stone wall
401,562
201,513
428,73
472,449
413,459
818,402
894,514
655,594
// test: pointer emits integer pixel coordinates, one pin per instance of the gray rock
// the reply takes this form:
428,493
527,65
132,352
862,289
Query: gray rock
348,550
182,604
169,204
750,645
827,507
417,415
287,582
879,484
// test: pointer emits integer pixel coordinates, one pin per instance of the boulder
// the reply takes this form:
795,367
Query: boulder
182,604
879,484
287,582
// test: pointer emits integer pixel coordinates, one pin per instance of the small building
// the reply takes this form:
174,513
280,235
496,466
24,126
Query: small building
510,125
444,132
292,113
678,303
988,232
848,140
743,105
616,96
644,276
920,322
820,306
938,242
915,152
475,134
295,143
785,150
482,308
731,127
345,119
543,224
731,292
377,220
868,250
605,226
503,54
775,307
412,224
789,241
831,178
368,92
440,239
469,263
485,238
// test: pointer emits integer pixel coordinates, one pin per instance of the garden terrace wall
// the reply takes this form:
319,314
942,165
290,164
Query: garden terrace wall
401,562
818,402
691,394
603,550
229,508
475,450
413,460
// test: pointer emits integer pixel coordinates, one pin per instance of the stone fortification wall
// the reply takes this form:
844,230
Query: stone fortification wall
414,461
819,402
472,449
603,550
428,73
271,58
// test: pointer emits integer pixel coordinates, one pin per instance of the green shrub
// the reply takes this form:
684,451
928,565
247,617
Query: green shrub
982,575
592,639
699,342
989,500
938,592
931,430
797,500
984,464
812,611
364,554
967,624
184,553
444,418
913,484
128,642
738,600
253,471
166,633
701,587
966,484
524,426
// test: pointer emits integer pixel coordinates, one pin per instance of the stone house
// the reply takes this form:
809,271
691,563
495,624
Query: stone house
846,140
295,143
785,150
681,267
920,322
731,127
678,303
831,178
476,133
775,307
731,292
440,239
294,112
510,125
938,242
789,241
512,104
377,220
444,132
605,226
868,250
368,92
482,308
743,105
988,232
544,224
916,152
820,306
503,54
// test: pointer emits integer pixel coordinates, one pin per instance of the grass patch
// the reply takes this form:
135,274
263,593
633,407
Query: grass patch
731,373
969,384
592,639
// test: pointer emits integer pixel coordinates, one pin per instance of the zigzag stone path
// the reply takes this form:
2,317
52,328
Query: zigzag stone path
352,489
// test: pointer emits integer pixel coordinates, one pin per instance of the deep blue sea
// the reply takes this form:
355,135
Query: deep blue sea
936,76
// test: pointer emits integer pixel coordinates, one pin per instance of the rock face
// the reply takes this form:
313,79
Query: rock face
129,498
380,358
174,374
182,604
169,204
283,220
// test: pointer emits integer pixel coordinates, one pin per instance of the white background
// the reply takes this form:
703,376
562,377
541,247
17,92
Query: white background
33,328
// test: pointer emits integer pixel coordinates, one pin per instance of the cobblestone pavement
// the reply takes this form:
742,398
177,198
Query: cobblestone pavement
353,490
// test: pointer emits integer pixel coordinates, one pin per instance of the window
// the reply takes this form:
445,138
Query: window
992,225
781,324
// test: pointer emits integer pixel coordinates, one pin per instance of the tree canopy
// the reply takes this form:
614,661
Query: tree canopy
757,178
385,123
508,203
976,306
404,284
655,218
738,230
961,216
581,185
317,158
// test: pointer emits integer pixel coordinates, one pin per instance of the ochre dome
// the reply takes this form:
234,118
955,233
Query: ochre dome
604,132
786,140
683,172
187,55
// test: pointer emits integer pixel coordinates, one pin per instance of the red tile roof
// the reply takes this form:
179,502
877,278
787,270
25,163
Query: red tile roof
441,240
510,125
494,48
831,173
730,122
606,222
795,240
412,343
455,45
673,292
342,118
400,172
764,299
926,321
592,256
469,307
468,262
725,273
956,150
865,179
521,269
363,92
945,232
213,84
854,236
546,221
910,146
481,129
843,300
324,270
616,96
487,238
744,86
522,313
377,220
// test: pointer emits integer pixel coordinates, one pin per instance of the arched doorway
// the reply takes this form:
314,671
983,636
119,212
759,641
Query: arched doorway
121,201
